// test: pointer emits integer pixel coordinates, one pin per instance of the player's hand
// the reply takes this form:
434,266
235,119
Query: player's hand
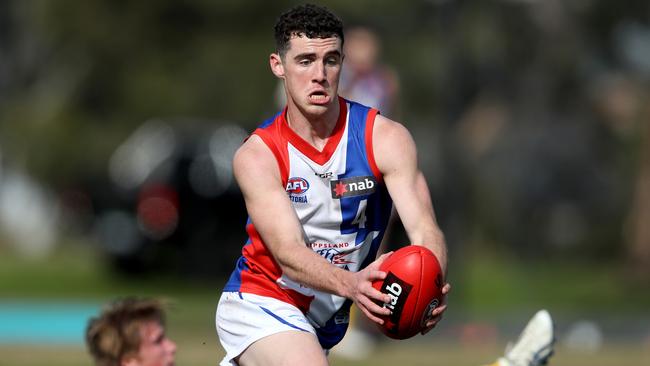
436,314
365,296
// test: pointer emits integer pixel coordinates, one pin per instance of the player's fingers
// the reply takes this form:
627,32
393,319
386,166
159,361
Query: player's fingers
432,322
370,315
375,275
383,257
434,318
377,262
376,295
446,288
438,311
374,308
427,329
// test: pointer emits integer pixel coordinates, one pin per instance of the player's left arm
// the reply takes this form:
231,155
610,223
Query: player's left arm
396,157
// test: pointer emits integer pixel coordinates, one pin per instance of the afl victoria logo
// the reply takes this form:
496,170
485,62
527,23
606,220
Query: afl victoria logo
297,185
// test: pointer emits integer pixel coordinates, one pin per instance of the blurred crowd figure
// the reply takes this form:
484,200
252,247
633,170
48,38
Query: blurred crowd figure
365,78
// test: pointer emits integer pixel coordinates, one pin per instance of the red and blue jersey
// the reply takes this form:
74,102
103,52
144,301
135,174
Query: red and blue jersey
342,204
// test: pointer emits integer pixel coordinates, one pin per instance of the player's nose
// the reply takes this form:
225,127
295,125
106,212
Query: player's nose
319,72
171,346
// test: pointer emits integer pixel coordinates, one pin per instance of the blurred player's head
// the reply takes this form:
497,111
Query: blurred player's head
361,50
309,21
130,332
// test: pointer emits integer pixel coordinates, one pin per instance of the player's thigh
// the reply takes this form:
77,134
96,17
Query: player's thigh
287,348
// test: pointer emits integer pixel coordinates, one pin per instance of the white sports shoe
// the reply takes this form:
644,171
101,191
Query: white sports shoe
535,344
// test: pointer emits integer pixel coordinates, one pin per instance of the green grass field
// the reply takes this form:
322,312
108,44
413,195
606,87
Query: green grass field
195,353
489,293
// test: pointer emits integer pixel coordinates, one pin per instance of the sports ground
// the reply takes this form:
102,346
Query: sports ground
489,306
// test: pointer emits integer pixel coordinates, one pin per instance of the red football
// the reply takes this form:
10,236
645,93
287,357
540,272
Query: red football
414,283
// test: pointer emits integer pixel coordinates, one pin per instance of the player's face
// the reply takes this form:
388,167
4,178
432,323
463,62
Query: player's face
155,348
311,69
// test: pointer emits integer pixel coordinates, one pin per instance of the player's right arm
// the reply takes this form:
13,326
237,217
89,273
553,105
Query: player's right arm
272,213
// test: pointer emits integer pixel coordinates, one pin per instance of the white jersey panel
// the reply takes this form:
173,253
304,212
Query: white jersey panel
321,217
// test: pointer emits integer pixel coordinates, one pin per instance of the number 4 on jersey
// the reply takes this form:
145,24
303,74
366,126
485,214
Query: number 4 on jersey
360,218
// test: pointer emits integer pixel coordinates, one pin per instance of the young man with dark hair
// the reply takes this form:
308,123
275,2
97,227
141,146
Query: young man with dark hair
319,181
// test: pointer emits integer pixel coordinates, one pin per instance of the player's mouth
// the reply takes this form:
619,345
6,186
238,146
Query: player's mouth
319,97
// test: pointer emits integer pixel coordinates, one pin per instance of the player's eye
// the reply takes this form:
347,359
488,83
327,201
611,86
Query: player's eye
333,61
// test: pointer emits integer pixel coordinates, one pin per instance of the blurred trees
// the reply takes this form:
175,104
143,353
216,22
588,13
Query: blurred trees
527,113
639,225
541,107
83,74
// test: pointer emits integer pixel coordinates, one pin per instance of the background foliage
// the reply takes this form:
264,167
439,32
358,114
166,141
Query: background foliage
531,119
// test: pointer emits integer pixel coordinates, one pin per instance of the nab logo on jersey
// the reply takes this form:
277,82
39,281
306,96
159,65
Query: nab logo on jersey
355,186
297,185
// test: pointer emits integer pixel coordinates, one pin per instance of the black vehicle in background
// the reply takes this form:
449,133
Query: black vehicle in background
172,205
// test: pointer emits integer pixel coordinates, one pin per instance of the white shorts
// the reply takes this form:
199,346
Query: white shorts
245,318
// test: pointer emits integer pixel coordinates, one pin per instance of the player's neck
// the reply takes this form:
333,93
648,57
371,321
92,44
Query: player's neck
315,129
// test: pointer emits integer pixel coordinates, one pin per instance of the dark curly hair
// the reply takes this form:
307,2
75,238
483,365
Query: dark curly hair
310,20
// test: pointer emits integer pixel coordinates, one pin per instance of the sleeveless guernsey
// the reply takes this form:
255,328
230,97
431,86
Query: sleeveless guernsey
342,204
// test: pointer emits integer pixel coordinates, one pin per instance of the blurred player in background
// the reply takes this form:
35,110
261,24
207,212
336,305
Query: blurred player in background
367,80
130,332
364,78
319,181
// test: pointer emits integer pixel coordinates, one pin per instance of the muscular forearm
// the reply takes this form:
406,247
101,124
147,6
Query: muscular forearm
304,266
433,239
425,230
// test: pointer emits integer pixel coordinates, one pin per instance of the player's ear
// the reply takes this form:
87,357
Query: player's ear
276,65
